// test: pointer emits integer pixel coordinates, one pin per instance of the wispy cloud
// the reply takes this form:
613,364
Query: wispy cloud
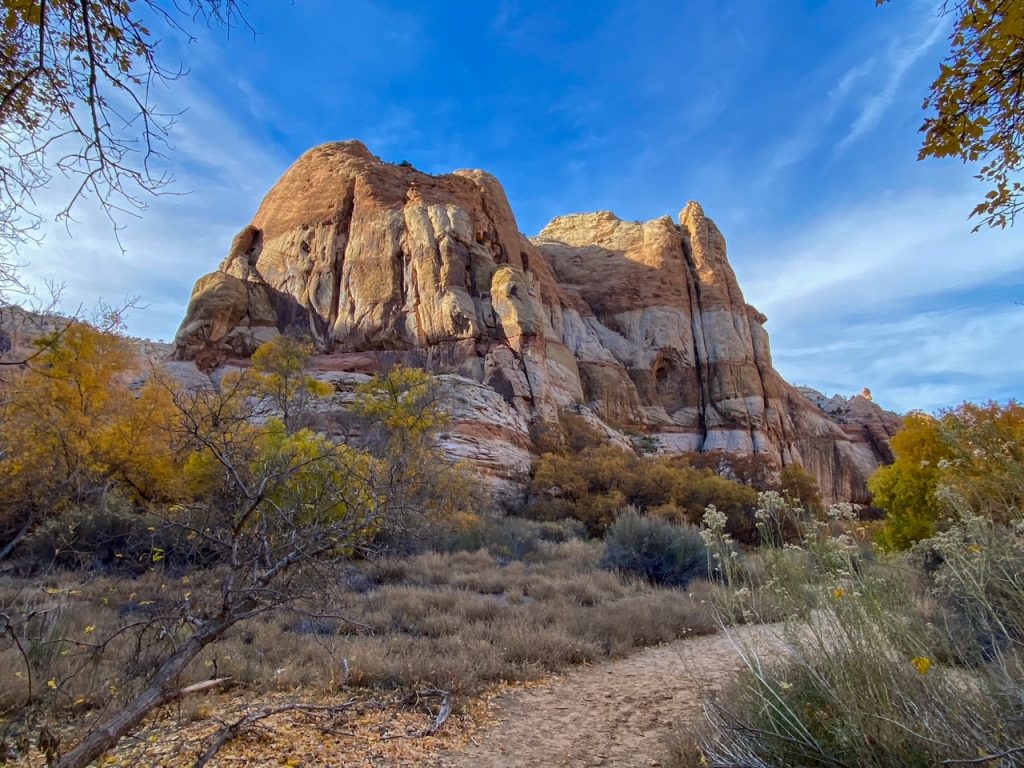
813,126
902,55
927,361
222,173
897,295
894,249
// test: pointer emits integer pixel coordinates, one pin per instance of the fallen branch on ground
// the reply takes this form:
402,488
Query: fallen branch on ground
231,731
442,714
206,685
439,720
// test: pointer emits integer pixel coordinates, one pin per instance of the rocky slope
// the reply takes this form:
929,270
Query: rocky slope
21,327
641,326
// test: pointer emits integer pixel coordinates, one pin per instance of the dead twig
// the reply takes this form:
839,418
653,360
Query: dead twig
439,720
206,685
986,759
231,731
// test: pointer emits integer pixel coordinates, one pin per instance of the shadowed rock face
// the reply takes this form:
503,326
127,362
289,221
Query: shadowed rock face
641,324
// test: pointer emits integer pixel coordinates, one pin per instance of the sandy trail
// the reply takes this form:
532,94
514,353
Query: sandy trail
615,714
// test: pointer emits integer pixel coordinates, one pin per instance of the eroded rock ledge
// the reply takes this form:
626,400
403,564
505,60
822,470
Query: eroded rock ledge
641,325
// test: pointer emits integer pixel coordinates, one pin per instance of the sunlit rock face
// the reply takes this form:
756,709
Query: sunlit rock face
641,325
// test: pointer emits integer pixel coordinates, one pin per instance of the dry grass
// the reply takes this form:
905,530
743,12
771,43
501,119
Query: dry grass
462,622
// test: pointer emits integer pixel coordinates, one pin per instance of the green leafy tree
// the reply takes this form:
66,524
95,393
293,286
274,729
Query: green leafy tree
402,417
406,402
906,489
280,376
969,459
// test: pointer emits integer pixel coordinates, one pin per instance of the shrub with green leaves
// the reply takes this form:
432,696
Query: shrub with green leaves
656,550
514,537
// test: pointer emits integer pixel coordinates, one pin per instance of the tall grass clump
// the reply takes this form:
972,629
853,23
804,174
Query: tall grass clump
904,660
656,550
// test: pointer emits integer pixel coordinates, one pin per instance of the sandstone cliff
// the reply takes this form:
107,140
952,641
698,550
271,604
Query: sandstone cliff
639,325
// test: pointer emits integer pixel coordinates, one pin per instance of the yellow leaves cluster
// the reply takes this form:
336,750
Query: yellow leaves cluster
71,421
973,454
279,375
977,101
922,664
906,488
77,423
404,401
323,481
592,485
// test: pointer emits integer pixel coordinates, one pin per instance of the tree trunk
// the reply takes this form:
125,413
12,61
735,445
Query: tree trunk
22,532
105,734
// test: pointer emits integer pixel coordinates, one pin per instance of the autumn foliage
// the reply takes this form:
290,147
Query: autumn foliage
227,483
976,104
75,427
968,459
85,423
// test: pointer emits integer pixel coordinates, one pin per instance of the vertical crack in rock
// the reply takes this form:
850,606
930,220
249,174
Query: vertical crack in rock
699,353
342,238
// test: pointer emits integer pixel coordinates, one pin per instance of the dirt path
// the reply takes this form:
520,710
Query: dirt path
615,714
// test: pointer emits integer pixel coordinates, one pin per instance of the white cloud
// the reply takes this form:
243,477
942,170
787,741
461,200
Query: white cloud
903,54
221,174
894,249
812,127
897,295
927,361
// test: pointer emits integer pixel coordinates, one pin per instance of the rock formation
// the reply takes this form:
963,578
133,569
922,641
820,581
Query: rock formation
638,325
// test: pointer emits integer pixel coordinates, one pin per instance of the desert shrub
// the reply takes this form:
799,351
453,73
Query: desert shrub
460,621
572,433
512,537
655,550
888,664
798,484
111,535
560,531
695,490
643,620
593,485
757,470
590,486
979,580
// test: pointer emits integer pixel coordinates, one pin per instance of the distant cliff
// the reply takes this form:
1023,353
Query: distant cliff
641,326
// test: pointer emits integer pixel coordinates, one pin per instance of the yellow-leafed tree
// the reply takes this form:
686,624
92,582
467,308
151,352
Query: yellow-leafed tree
72,426
906,489
402,417
280,376
968,459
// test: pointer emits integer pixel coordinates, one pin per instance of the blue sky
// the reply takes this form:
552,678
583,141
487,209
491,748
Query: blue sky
793,123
